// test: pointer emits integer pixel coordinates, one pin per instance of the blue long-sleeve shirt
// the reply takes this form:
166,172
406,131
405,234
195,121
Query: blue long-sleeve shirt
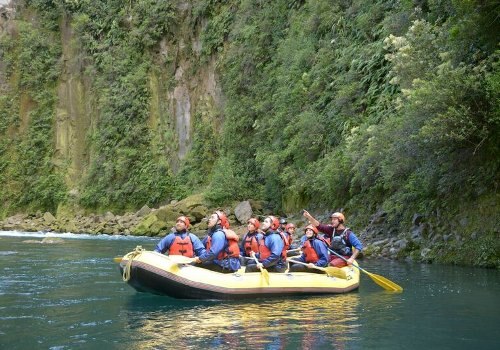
167,241
274,242
321,250
219,243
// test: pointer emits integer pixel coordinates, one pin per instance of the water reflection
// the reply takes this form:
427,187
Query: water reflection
306,323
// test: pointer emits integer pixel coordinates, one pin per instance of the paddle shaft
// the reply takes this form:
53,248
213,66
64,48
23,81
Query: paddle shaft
257,262
340,256
306,264
380,280
263,271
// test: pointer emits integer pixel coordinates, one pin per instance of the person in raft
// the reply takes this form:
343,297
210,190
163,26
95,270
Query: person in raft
293,246
250,241
283,223
222,253
181,242
272,252
314,252
342,240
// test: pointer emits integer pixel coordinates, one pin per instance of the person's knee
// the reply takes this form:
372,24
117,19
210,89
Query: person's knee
251,268
338,263
297,268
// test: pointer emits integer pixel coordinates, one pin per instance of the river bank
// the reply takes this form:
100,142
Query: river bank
423,241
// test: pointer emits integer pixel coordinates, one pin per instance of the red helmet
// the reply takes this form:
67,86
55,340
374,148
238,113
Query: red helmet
224,222
275,223
184,219
339,216
313,228
254,222
289,226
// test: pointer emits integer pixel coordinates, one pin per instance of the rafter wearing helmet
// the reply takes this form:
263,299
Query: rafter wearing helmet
222,252
272,252
342,239
180,241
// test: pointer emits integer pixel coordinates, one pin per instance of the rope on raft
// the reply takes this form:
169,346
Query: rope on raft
130,256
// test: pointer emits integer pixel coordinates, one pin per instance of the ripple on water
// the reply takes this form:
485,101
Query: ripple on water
7,252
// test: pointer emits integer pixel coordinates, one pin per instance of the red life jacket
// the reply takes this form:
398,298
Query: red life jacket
323,239
309,253
182,246
265,252
286,238
250,243
232,250
289,238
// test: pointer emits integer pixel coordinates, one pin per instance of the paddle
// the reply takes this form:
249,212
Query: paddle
263,271
380,280
117,259
329,270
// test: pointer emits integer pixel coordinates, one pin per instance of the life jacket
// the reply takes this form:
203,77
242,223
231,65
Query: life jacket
265,252
232,250
182,246
289,239
309,253
250,243
325,239
340,243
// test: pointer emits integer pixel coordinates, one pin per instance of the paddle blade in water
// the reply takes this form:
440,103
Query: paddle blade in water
384,282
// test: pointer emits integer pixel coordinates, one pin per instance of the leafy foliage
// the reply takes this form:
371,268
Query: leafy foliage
389,105
34,181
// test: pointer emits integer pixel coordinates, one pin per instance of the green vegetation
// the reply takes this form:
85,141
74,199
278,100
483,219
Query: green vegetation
26,115
383,105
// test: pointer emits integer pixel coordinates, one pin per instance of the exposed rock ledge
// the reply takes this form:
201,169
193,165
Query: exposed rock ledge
378,238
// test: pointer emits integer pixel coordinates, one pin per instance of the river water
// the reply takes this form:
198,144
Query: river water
71,296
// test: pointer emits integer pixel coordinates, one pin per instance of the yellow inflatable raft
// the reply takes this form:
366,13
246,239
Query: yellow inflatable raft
152,272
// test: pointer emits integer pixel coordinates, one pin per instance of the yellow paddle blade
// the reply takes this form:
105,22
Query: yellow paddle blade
117,259
335,272
384,282
265,274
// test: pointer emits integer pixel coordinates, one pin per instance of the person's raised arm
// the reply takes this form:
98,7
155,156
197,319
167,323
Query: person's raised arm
311,219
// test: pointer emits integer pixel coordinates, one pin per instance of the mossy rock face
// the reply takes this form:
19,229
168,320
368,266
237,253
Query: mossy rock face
198,213
187,204
166,214
200,229
144,226
70,227
157,227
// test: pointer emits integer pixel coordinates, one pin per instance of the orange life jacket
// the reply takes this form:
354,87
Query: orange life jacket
232,250
182,246
265,252
250,243
289,238
309,253
324,239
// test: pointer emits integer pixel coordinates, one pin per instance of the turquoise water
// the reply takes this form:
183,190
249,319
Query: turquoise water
71,296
